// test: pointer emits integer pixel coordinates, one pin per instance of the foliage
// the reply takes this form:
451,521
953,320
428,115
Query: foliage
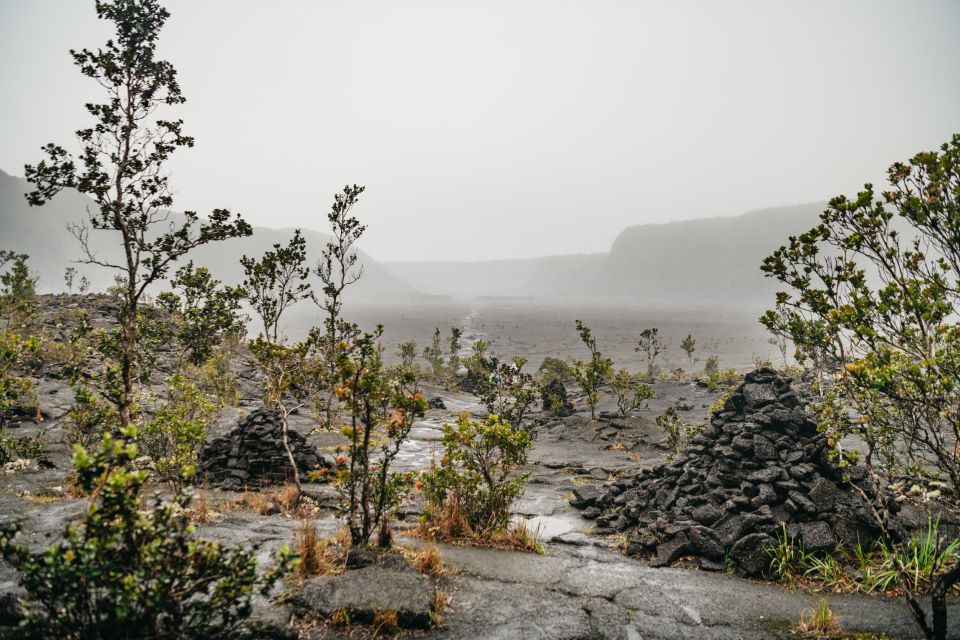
884,306
175,435
22,447
69,275
206,313
689,345
291,375
922,559
128,573
407,352
504,388
277,281
433,354
122,162
17,284
17,391
717,405
712,365
651,346
592,374
337,269
631,393
89,418
453,361
381,411
471,491
554,369
217,376
678,432
722,378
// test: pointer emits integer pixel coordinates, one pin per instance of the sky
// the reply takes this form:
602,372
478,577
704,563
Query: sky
515,128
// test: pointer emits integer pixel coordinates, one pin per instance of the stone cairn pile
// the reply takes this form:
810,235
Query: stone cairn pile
252,454
757,466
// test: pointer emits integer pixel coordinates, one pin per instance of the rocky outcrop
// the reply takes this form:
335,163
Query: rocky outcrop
757,466
252,454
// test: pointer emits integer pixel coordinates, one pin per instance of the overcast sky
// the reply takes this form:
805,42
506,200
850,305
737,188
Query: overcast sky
515,128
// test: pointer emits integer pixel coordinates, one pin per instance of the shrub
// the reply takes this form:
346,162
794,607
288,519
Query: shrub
124,572
504,388
175,435
22,447
433,354
651,346
591,375
471,491
631,394
381,410
678,432
89,418
206,313
407,352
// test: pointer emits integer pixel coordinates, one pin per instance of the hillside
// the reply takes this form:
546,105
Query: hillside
41,232
695,260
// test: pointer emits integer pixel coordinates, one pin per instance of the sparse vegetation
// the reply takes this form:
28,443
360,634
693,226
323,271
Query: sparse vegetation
471,490
139,572
651,347
631,393
591,375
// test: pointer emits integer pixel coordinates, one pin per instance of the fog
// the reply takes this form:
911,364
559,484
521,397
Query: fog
512,129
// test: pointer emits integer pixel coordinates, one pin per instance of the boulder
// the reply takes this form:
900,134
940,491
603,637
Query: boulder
388,585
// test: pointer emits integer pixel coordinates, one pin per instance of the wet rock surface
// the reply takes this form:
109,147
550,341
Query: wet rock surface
582,587
253,455
758,465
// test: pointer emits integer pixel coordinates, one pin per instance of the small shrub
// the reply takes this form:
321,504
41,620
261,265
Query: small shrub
678,432
590,376
139,571
22,447
174,437
631,393
471,492
89,418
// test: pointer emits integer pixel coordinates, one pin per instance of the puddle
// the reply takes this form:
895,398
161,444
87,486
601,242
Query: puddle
555,525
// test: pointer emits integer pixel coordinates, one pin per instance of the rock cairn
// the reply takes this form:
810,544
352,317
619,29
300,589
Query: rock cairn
757,466
555,400
252,454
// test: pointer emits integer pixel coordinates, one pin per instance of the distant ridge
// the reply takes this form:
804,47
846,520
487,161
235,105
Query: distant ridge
703,260
708,259
42,233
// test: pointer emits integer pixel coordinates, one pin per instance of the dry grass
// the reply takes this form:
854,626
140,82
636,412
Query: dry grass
818,621
385,622
201,512
523,538
40,498
340,617
255,501
317,556
440,601
288,498
451,526
429,561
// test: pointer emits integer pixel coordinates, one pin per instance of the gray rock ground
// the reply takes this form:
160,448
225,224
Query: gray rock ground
582,587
